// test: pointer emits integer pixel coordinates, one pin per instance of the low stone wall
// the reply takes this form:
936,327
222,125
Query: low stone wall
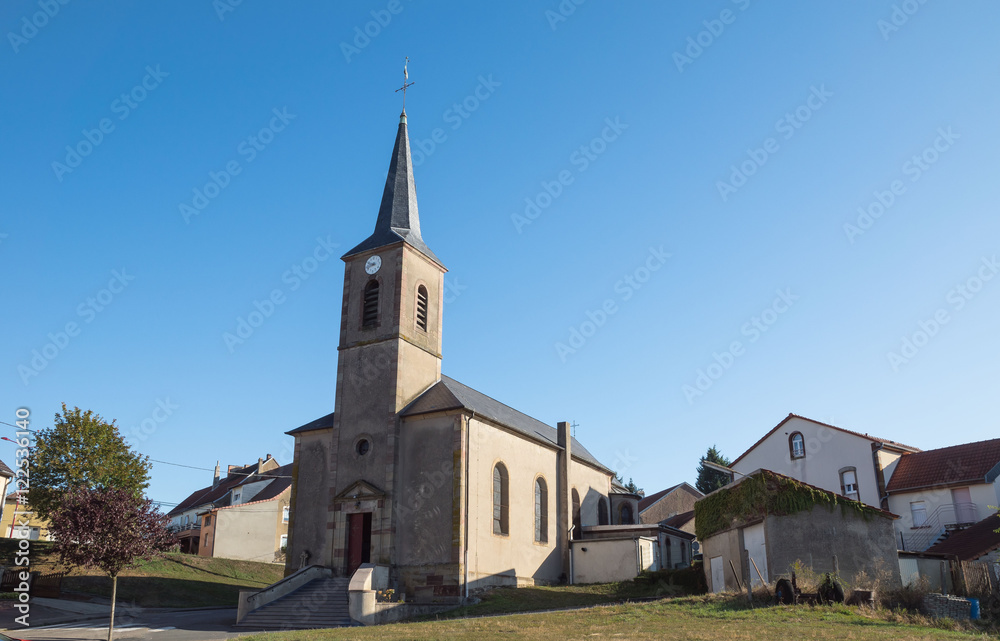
953,607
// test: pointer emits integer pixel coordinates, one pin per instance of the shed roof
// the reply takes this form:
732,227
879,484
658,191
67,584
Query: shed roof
973,542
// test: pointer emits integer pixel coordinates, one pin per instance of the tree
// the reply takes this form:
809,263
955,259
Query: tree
710,480
108,529
630,486
82,450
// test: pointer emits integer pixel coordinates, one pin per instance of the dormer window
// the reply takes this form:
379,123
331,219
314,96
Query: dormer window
797,445
369,313
236,497
422,308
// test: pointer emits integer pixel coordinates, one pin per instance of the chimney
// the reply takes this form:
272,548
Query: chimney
260,462
230,469
215,481
564,503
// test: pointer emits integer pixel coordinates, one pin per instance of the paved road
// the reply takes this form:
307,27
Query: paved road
202,625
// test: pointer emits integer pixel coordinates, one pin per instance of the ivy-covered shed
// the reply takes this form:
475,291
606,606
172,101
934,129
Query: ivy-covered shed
779,520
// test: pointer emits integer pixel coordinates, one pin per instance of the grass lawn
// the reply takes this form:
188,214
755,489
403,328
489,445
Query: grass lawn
681,618
180,580
508,600
174,580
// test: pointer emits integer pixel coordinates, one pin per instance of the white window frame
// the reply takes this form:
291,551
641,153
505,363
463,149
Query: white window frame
285,512
922,509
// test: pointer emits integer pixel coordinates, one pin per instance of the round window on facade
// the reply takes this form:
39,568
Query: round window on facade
363,447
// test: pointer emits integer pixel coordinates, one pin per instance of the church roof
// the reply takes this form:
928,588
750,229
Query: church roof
449,394
398,220
322,423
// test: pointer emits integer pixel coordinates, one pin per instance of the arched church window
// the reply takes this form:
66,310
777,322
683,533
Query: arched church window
577,525
541,511
501,518
602,512
626,514
369,314
422,308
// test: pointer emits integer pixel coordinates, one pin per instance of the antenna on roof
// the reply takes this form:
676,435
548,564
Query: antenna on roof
574,425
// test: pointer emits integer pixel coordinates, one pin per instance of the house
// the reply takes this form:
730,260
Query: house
18,520
940,491
256,526
849,463
759,525
445,487
668,504
6,478
670,548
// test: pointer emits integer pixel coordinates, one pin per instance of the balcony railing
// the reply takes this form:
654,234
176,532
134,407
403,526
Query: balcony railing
947,517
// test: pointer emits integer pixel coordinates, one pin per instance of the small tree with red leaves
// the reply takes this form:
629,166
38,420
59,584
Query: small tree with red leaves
109,529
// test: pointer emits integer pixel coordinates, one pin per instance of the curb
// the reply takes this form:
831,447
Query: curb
97,617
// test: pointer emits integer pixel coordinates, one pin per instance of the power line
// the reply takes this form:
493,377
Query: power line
192,467
262,475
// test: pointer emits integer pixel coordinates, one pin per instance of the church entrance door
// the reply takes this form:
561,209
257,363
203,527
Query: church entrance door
359,540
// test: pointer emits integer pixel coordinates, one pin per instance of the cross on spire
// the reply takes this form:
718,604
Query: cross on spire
406,76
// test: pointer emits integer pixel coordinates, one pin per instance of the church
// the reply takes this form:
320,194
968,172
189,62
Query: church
447,487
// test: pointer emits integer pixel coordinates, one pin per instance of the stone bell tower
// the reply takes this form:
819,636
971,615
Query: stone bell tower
389,353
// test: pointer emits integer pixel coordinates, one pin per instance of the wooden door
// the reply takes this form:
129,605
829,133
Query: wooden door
718,574
359,540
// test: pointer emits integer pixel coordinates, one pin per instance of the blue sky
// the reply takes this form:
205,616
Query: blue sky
562,157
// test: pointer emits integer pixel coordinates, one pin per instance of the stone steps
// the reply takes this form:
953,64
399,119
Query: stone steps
321,603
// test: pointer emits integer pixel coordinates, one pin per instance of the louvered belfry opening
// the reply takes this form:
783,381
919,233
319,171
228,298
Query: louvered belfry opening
369,314
422,308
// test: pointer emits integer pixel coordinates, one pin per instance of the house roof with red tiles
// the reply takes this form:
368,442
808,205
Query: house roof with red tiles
973,542
956,465
790,416
217,492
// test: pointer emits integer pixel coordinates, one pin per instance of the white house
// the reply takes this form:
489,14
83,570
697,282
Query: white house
938,492
852,464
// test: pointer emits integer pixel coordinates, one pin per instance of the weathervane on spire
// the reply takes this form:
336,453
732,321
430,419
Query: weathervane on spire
406,76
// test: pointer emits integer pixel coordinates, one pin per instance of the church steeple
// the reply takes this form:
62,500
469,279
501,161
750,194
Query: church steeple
398,219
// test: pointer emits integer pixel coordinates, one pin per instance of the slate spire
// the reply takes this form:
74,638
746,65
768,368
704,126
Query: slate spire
397,215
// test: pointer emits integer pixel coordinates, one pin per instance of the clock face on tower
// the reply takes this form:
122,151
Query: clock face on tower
373,264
